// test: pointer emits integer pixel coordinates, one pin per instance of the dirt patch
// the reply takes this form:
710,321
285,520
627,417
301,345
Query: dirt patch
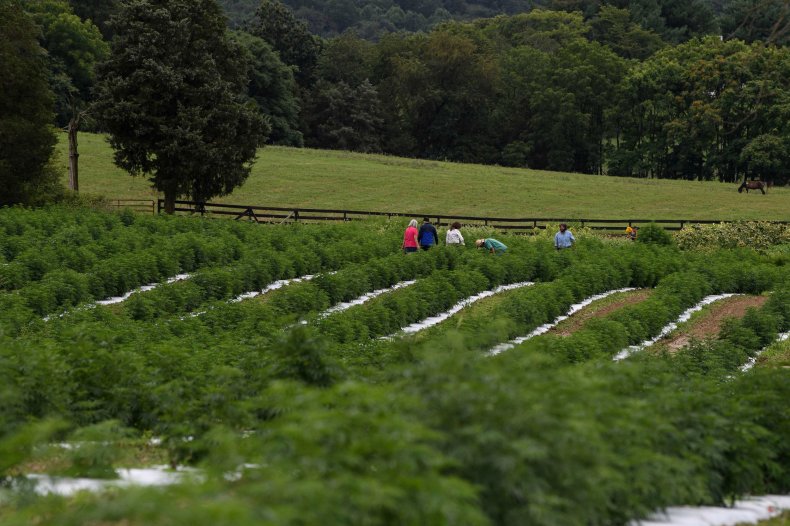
709,324
577,321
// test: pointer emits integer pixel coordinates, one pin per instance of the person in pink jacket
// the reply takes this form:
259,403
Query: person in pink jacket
410,243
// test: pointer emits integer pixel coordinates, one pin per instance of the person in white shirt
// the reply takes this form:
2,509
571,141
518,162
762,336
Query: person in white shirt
454,236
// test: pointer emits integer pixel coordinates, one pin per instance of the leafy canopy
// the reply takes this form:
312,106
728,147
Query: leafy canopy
27,139
171,95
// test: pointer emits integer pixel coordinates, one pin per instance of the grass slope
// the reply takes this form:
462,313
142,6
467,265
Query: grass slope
335,179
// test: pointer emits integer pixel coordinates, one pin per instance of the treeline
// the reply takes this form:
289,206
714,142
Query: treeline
551,90
624,88
675,21
615,89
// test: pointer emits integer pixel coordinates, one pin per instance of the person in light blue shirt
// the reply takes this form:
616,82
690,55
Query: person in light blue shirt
563,238
494,246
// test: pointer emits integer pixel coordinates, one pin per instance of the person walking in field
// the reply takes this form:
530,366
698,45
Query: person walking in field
493,246
563,238
630,232
454,236
428,235
410,242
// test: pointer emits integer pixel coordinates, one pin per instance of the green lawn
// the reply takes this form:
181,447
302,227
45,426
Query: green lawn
334,179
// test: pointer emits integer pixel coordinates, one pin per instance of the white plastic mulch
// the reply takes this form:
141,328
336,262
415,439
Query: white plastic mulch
707,300
272,286
144,288
364,298
434,320
753,360
747,511
252,294
576,307
153,476
118,299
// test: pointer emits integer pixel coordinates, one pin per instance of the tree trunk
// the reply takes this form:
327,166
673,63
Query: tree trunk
170,200
74,125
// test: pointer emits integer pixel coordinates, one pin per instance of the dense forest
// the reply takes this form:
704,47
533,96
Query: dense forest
695,90
674,20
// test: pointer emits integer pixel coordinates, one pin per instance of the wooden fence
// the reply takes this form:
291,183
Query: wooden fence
138,205
280,215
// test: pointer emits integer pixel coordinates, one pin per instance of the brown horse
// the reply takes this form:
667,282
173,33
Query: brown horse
752,185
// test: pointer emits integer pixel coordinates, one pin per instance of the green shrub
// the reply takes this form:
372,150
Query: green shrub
655,235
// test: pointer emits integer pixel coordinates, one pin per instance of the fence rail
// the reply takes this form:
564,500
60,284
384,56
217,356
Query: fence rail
139,205
278,215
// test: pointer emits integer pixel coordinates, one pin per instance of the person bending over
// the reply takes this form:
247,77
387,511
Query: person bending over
494,246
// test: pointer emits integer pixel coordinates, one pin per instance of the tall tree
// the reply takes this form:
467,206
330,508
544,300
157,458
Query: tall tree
555,94
277,25
439,90
98,12
346,58
172,96
74,47
345,117
273,87
675,20
751,20
613,27
27,138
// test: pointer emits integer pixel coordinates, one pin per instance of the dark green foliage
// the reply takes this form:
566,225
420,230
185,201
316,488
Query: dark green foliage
193,131
654,234
98,11
641,88
272,86
440,89
702,109
27,139
768,390
276,24
633,88
755,20
674,21
613,27
302,356
74,47
343,117
522,429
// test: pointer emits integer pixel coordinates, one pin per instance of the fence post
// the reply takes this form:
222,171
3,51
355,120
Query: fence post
296,215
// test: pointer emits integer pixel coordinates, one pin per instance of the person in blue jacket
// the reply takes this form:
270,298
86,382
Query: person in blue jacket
428,236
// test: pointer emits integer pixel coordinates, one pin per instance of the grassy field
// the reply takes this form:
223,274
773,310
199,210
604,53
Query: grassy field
334,179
